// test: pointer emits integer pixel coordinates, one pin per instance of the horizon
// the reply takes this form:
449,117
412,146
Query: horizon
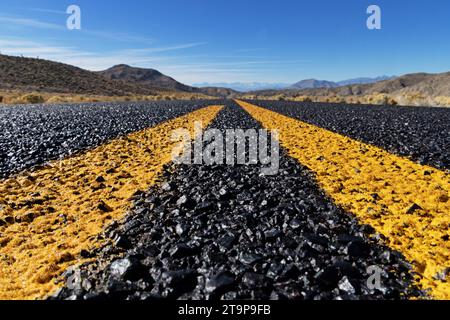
324,40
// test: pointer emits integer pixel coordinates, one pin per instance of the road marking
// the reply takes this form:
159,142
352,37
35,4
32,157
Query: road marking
405,201
48,217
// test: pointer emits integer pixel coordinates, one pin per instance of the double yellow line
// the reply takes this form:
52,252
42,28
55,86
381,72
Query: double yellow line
405,201
49,217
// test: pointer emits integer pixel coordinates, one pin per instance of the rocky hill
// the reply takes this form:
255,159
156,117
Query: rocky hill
29,74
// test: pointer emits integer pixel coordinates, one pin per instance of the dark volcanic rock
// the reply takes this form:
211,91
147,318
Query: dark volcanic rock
220,283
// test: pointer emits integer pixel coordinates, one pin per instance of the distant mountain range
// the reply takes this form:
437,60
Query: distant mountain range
243,86
29,74
313,83
303,84
364,80
411,88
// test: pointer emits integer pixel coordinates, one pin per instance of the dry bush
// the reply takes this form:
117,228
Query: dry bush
442,101
56,99
302,99
33,98
391,101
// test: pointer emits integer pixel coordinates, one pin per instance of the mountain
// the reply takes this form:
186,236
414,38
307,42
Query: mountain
244,86
29,74
148,77
313,83
364,80
219,92
152,77
419,85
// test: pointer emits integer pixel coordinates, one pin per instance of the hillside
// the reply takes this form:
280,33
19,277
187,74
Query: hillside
147,77
219,92
423,83
152,77
413,89
363,80
313,83
29,74
243,86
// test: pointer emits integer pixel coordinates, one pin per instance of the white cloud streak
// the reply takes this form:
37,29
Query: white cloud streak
9,21
25,22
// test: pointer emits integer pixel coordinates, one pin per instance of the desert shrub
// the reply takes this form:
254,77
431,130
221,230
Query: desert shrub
442,101
336,99
55,99
380,99
303,99
392,102
33,98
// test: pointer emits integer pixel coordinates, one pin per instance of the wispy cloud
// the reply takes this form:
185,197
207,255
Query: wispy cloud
85,59
171,60
165,49
45,10
33,23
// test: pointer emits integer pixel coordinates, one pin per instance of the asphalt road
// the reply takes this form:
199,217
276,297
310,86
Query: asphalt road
422,134
225,232
345,199
34,134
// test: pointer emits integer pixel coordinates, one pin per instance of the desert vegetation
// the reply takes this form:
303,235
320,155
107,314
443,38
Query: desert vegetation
20,97
406,99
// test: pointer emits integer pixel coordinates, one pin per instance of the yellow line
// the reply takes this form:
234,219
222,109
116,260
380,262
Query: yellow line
381,189
49,216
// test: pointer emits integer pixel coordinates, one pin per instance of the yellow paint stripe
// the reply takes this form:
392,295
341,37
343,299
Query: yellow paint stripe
55,213
379,188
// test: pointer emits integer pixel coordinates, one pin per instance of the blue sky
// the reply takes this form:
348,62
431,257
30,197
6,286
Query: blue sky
235,41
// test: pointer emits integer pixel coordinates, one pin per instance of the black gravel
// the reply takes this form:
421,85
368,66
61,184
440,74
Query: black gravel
421,133
223,232
32,135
